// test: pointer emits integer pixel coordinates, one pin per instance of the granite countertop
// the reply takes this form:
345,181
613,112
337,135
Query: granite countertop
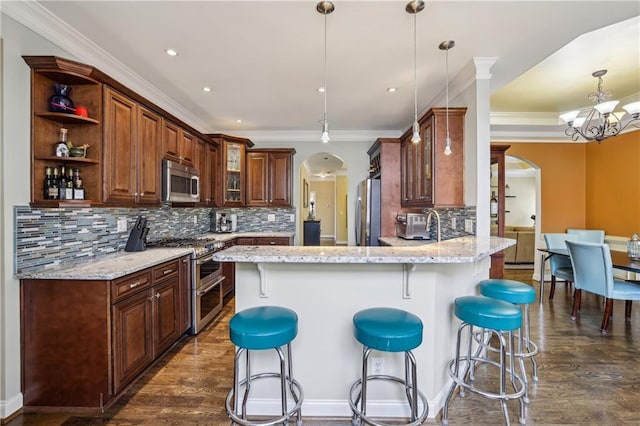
110,266
458,250
401,242
119,264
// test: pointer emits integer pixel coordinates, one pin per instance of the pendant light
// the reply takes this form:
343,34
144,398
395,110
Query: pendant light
414,7
446,46
325,8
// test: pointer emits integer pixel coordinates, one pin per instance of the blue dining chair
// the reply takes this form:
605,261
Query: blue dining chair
588,235
593,272
560,266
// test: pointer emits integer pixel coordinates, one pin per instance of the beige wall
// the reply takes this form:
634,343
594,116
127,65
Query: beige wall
325,206
342,209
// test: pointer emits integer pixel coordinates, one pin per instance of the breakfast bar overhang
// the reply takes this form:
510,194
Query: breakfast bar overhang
326,286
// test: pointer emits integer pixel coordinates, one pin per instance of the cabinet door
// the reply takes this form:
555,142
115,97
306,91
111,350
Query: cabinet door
132,338
170,140
258,179
148,157
120,147
214,180
408,157
186,148
202,164
233,165
166,309
425,189
229,273
185,294
280,180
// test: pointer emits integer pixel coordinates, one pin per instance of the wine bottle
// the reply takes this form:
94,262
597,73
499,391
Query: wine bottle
48,172
78,189
54,189
66,184
493,205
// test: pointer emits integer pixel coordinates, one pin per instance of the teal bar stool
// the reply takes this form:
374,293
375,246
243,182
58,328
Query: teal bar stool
260,328
499,318
521,294
388,330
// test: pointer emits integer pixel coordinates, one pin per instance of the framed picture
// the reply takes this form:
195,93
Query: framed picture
305,193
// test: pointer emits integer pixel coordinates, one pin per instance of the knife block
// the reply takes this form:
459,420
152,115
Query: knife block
136,241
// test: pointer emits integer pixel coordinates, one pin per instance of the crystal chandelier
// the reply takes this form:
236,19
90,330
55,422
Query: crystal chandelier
600,122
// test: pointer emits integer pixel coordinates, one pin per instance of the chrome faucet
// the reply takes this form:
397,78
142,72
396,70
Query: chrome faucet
427,226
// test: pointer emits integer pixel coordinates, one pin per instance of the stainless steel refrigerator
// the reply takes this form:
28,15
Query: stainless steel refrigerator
368,213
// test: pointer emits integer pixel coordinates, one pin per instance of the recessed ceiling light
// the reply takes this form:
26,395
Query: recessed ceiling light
392,89
321,89
206,89
238,121
171,52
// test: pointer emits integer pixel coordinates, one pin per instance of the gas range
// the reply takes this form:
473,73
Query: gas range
202,246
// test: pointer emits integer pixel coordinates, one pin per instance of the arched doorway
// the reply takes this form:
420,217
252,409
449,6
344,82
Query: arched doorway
523,201
324,187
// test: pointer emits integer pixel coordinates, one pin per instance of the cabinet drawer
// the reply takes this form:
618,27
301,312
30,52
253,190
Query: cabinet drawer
130,284
272,241
245,241
168,269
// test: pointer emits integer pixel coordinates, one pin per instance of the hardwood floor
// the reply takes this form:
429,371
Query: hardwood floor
585,378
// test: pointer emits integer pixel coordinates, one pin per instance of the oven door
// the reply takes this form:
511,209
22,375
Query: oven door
207,292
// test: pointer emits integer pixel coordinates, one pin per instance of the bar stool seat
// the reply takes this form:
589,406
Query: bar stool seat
498,317
260,328
388,330
519,293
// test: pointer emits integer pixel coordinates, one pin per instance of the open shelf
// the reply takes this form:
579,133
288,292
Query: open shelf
64,118
68,159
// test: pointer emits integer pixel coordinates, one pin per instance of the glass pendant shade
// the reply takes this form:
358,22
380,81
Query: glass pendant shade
578,122
415,137
606,107
447,146
325,133
569,117
632,108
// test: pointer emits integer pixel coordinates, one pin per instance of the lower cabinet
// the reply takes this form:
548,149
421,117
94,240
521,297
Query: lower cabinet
85,341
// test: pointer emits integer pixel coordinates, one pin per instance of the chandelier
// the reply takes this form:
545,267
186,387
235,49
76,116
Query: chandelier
600,122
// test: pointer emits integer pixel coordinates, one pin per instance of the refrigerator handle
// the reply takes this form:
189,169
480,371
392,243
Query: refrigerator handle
358,220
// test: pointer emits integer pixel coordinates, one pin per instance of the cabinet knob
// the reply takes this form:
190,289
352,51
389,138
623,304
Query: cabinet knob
142,194
158,295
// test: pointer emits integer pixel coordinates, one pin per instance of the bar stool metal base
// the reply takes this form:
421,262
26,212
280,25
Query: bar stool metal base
358,392
231,403
465,381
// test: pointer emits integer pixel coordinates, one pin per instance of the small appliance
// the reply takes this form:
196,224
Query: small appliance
412,226
180,183
226,222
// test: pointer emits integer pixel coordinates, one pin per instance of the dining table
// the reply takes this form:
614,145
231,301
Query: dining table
619,260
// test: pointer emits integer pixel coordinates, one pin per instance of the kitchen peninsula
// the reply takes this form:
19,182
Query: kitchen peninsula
327,285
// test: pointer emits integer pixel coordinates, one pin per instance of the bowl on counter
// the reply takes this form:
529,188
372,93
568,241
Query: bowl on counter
77,151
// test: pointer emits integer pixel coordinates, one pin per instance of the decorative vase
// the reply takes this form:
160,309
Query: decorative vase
633,247
60,101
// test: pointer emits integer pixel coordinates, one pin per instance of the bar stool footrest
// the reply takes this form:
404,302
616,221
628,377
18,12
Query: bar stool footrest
491,395
298,397
368,420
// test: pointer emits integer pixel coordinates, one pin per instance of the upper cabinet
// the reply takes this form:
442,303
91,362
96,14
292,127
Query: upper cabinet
48,73
132,167
429,178
178,144
269,177
206,157
231,171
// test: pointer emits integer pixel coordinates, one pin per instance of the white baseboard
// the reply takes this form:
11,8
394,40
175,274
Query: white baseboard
10,406
339,408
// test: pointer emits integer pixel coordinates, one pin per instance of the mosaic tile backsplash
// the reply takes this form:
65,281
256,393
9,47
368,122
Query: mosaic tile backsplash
46,238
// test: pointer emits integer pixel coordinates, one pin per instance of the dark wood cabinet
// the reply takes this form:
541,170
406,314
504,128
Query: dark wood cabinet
311,236
231,170
430,178
132,171
177,144
497,223
384,156
269,177
85,341
206,161
86,90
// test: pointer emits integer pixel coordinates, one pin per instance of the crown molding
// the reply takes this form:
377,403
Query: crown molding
41,21
314,136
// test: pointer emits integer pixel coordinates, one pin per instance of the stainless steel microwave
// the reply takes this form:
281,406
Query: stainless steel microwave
180,183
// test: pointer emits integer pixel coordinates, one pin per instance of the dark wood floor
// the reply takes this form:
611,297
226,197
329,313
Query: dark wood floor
585,378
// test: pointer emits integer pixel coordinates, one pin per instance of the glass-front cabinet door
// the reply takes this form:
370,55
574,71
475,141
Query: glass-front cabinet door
233,164
426,190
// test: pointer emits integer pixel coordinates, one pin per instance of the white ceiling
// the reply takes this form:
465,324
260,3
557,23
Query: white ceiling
264,59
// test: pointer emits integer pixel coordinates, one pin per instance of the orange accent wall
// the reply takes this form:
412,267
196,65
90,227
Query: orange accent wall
613,185
562,173
588,185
